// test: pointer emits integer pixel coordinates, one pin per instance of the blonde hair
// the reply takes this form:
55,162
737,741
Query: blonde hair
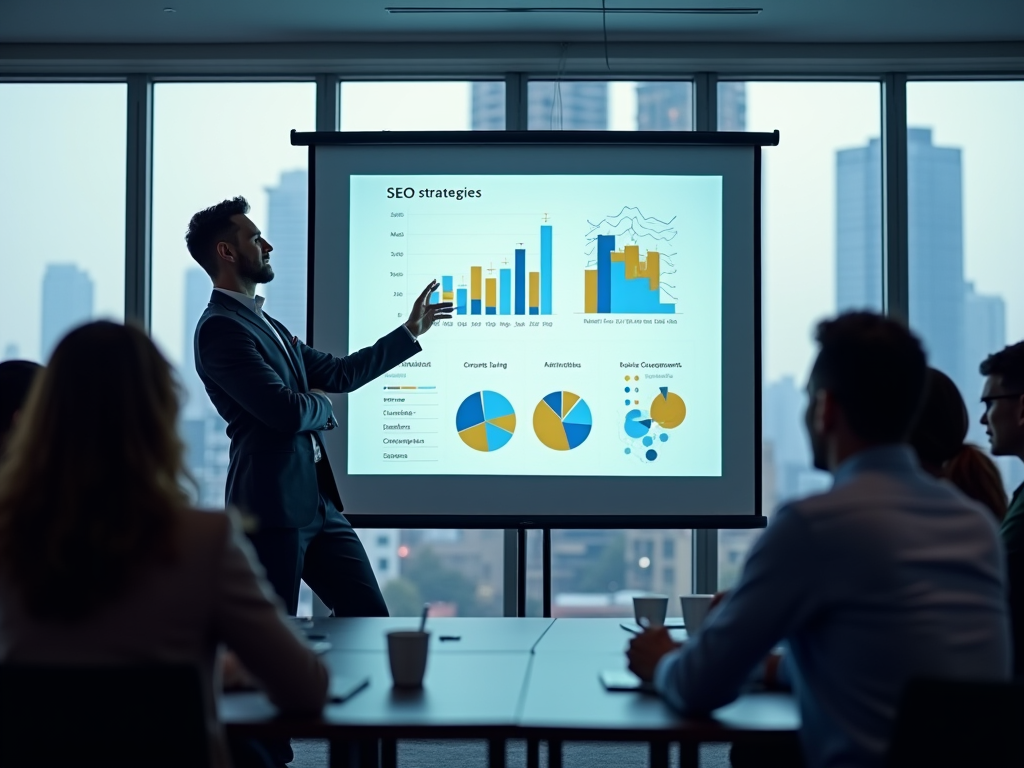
91,481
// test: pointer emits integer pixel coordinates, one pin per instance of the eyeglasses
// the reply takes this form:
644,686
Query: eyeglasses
987,401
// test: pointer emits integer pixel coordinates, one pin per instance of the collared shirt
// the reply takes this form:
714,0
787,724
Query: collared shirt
1012,533
888,576
1012,528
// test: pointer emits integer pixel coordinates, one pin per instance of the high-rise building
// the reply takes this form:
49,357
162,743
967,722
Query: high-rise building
67,302
666,105
574,105
859,228
984,333
935,242
936,251
197,296
287,231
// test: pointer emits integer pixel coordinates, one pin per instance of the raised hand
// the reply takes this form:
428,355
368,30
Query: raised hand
424,313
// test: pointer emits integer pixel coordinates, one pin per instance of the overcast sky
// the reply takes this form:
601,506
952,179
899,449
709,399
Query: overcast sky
62,179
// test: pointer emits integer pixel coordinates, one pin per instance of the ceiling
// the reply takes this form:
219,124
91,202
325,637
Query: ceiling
298,21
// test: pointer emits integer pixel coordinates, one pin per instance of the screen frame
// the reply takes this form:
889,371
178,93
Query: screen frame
506,138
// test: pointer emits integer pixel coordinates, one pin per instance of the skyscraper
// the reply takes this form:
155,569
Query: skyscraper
566,105
936,251
197,296
665,105
287,231
67,302
935,241
859,228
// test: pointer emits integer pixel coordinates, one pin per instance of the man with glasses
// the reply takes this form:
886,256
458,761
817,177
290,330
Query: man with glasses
1003,398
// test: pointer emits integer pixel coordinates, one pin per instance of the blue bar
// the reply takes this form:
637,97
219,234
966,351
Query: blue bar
460,301
545,269
505,291
520,281
435,298
446,283
491,310
534,310
605,246
635,296
474,306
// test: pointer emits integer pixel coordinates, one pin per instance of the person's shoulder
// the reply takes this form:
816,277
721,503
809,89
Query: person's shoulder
204,528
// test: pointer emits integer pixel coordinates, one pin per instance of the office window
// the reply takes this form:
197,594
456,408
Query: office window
213,141
457,571
423,106
62,205
596,105
822,253
965,184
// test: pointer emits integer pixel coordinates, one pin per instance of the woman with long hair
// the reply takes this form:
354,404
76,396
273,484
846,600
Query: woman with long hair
938,438
102,558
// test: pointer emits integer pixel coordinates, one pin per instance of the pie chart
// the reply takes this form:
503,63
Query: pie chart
635,426
562,421
485,421
668,409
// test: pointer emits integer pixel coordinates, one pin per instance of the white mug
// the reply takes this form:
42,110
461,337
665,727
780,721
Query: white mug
695,610
652,608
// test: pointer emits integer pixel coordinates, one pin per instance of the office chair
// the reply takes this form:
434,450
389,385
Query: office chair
110,716
942,724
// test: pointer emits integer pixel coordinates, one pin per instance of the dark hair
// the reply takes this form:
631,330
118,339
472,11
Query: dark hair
209,227
875,368
1008,363
942,423
92,481
16,378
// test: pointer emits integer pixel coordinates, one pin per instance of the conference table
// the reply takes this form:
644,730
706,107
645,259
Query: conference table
495,679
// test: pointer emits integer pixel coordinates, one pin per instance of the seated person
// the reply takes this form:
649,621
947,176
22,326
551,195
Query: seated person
16,378
102,558
1003,398
938,439
888,576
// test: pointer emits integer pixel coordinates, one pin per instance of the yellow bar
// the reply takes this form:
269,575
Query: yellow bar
590,291
535,289
652,269
618,256
474,283
492,292
632,261
447,295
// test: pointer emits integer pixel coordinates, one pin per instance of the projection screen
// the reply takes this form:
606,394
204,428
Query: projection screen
602,367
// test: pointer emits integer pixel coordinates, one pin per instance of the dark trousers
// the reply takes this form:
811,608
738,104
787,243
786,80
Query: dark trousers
328,556
785,753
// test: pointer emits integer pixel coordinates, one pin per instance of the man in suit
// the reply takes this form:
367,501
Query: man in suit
271,389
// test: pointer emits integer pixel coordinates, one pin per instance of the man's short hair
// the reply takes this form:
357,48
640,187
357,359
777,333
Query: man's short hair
1007,363
876,369
16,378
209,227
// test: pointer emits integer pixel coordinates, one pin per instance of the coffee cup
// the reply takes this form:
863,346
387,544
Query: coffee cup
407,654
695,610
650,610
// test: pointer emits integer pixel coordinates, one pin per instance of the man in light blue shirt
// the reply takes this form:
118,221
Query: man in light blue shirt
888,576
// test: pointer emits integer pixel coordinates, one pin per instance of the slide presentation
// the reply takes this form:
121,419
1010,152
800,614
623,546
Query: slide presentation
587,331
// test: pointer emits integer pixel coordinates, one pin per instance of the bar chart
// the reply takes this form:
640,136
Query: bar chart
624,282
505,290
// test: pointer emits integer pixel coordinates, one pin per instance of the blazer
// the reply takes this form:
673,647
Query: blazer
178,612
262,392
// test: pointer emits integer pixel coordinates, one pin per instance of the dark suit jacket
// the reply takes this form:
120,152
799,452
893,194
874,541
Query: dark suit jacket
262,392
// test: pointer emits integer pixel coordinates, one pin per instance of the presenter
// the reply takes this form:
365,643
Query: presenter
270,389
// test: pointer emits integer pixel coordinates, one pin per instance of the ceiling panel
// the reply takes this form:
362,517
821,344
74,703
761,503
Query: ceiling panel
292,21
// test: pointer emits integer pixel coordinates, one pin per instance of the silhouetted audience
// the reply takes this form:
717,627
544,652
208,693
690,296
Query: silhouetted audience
102,558
888,576
938,438
1003,398
16,377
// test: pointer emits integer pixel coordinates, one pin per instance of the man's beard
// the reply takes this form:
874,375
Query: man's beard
264,273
